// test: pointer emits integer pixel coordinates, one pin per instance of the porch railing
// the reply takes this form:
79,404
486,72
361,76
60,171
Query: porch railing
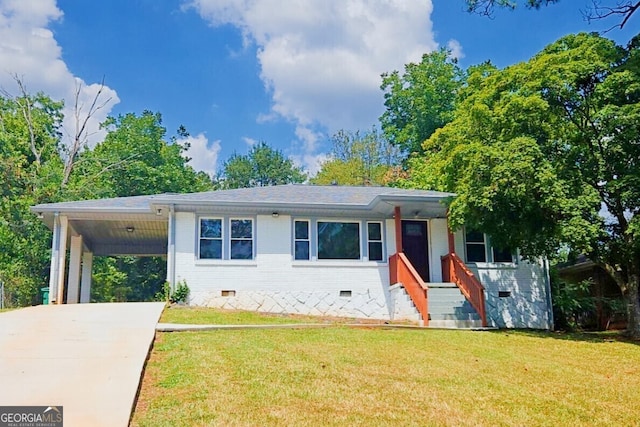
454,270
401,271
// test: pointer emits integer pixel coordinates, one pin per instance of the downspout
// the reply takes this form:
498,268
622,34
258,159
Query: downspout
55,260
171,255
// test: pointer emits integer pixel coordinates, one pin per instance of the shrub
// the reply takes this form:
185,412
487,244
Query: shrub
179,295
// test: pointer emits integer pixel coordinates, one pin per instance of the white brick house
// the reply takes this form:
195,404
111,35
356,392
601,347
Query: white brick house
319,250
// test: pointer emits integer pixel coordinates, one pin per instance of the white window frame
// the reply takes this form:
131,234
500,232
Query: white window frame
226,239
363,240
338,221
467,243
221,238
489,254
307,240
251,239
369,240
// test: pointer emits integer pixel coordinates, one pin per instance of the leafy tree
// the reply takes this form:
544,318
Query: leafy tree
356,159
262,166
622,9
30,173
420,100
135,159
127,278
544,154
35,165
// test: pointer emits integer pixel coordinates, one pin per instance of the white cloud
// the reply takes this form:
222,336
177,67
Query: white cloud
310,162
308,137
249,141
321,60
29,51
456,48
203,154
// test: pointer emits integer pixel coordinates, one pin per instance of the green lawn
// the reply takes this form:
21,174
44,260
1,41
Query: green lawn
204,316
388,377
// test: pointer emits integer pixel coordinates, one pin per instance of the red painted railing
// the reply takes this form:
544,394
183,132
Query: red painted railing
401,271
454,270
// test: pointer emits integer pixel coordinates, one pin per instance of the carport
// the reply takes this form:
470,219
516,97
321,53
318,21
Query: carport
105,227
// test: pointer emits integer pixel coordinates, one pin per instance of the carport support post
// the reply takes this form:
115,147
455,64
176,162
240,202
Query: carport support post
75,259
171,249
58,258
85,285
55,262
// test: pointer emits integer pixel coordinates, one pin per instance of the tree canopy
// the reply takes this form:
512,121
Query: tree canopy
359,159
420,100
262,166
30,173
545,153
135,158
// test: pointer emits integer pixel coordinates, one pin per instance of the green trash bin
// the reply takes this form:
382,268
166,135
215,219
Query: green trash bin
45,295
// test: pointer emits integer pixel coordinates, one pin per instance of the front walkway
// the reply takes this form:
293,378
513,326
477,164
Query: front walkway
87,358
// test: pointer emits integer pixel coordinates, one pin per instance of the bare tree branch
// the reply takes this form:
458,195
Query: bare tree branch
81,119
24,101
622,9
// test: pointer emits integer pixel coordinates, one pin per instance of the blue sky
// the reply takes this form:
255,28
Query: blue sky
234,72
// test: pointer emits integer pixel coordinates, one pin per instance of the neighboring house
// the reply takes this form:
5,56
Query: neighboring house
609,311
364,252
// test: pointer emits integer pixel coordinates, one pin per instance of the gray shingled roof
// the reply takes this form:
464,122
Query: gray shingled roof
298,194
292,195
129,204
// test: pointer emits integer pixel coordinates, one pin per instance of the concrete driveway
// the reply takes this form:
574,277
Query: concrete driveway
87,358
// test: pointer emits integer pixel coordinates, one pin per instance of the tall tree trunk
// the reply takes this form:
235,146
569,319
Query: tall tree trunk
632,298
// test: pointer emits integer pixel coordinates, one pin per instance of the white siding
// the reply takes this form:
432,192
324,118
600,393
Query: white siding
390,227
438,246
527,303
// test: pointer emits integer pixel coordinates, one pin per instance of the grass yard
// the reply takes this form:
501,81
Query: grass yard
205,316
388,377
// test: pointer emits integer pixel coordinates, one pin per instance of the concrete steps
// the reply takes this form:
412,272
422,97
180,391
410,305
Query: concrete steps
448,308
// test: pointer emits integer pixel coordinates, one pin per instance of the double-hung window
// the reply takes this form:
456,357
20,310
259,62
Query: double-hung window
210,242
241,242
502,255
374,241
302,242
220,238
478,249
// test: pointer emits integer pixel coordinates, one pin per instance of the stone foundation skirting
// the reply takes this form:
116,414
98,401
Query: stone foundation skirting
368,304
